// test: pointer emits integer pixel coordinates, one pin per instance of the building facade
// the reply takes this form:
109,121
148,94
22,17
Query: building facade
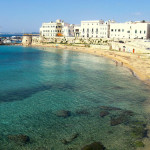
68,30
56,29
130,30
95,29
77,31
48,30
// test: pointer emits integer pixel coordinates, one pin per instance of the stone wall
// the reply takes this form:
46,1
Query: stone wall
129,47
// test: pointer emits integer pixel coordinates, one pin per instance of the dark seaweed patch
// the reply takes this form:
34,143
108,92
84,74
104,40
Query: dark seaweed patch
18,95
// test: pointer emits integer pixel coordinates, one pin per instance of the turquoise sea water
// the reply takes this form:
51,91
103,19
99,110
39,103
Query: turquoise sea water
36,85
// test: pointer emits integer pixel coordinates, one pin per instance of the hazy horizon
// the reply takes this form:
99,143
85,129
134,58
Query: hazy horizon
28,16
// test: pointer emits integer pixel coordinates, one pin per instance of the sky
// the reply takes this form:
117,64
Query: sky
28,15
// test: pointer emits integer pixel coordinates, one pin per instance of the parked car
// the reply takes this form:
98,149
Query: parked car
121,41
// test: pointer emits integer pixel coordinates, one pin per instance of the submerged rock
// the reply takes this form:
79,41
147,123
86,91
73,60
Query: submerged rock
94,146
109,108
117,87
82,112
110,132
41,148
20,138
104,113
128,113
124,117
63,113
118,120
70,139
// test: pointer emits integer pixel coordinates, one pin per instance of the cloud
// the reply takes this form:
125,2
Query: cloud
137,14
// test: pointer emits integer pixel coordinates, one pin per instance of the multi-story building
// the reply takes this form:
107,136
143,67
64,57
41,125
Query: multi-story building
95,29
68,30
58,28
48,29
130,30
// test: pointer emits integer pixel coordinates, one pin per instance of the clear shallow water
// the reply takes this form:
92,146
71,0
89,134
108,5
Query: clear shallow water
36,84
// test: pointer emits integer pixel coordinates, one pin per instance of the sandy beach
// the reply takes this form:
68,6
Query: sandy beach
139,64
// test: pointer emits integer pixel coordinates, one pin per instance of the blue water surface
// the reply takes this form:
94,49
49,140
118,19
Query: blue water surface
37,85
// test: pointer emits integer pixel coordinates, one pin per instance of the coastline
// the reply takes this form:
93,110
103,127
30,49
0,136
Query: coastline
138,64
81,50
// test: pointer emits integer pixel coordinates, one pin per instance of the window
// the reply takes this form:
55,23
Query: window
96,31
122,30
87,30
118,30
128,31
83,30
144,32
112,30
140,32
92,30
115,30
135,31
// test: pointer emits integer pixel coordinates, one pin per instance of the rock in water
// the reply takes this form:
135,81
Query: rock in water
70,139
104,113
20,138
118,120
82,112
63,113
94,146
110,108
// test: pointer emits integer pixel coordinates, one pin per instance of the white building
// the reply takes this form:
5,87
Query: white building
95,29
68,30
130,30
58,28
48,29
77,31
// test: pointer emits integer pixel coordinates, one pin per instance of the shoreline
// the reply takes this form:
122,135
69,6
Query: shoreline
138,64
